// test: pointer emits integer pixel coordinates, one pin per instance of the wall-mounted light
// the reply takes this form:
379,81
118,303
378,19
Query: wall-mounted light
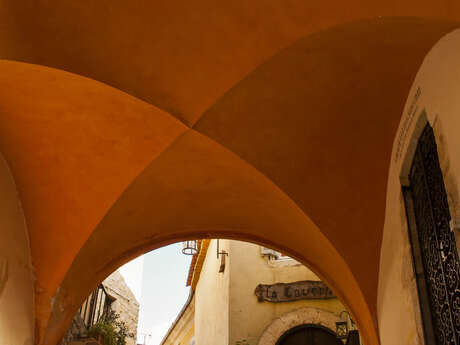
219,252
222,255
343,328
190,247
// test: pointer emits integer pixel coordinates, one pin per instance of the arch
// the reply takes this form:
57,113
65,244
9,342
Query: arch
63,143
107,157
239,204
311,330
299,82
295,318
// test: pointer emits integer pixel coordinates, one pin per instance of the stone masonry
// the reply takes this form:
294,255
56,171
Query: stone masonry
125,304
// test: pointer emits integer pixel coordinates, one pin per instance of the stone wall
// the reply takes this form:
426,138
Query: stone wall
76,330
125,304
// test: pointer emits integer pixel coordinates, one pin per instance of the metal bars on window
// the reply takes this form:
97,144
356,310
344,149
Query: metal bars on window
434,248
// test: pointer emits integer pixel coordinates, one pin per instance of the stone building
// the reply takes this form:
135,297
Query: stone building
245,294
125,303
114,294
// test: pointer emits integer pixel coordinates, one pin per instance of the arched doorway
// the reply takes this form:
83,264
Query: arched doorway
308,335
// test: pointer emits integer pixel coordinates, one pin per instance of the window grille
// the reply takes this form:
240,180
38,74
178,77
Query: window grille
434,249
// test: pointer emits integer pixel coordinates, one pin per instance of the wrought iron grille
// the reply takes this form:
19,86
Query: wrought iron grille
433,243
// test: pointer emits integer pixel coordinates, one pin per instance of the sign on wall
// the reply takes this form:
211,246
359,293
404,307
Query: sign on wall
286,292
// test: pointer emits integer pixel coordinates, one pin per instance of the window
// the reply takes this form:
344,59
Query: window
273,254
434,249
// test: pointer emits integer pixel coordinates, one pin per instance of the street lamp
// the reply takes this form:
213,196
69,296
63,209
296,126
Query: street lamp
190,247
222,254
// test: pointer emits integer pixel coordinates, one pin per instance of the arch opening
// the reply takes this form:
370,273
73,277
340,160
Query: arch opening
308,334
247,292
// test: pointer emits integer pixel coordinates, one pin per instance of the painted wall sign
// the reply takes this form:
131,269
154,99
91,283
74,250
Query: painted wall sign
285,292
407,123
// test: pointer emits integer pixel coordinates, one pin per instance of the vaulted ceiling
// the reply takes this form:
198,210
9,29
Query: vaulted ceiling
270,121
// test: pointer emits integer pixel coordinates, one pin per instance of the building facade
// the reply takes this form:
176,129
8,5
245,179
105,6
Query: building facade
113,294
246,294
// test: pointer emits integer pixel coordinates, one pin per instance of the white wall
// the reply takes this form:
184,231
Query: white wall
436,90
16,284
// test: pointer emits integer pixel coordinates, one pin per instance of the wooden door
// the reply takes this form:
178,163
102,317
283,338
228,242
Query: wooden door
308,335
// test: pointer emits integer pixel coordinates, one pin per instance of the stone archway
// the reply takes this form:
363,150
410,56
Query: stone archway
298,317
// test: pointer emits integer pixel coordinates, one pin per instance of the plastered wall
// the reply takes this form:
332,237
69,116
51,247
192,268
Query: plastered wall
16,284
434,98
183,329
212,299
248,317
186,340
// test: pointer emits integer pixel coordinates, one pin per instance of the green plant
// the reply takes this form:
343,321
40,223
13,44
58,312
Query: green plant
110,330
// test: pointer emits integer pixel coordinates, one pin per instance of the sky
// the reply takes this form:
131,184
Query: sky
132,273
158,279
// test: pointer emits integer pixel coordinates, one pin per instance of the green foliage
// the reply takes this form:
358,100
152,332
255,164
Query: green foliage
111,330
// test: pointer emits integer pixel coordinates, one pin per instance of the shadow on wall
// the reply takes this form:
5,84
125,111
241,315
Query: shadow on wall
3,274
432,100
16,284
